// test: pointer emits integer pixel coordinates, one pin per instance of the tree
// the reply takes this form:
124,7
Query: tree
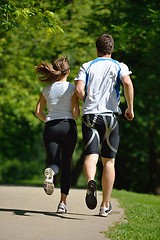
27,14
23,29
30,33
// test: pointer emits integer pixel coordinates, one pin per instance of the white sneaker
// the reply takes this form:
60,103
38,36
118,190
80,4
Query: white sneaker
48,182
62,208
104,211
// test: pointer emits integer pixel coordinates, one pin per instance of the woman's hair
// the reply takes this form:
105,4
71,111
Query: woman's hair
52,72
105,44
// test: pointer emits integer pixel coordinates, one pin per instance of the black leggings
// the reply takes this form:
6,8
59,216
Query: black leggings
60,138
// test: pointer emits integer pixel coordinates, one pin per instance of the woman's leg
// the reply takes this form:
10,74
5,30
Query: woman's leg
68,146
52,146
53,156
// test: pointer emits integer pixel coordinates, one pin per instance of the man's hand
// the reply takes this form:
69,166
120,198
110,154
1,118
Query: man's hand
129,114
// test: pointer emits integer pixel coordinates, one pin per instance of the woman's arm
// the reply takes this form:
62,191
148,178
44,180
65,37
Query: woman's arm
39,112
75,106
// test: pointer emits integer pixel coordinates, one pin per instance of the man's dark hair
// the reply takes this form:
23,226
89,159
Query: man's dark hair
105,44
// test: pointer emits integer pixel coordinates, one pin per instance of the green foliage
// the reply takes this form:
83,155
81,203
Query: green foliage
19,170
27,14
31,31
142,217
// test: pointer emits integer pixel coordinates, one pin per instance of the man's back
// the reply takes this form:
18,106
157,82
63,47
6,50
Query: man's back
102,85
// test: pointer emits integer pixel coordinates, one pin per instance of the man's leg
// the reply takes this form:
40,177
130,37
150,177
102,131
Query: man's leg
89,166
108,177
90,172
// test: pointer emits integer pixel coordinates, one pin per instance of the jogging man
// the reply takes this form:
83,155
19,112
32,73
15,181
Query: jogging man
98,85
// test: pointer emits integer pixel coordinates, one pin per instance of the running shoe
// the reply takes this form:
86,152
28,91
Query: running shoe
62,208
104,211
48,182
91,195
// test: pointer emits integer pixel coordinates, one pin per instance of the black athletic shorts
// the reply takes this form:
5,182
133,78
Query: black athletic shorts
101,134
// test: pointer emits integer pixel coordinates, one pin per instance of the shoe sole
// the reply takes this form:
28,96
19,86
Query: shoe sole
91,199
48,185
62,212
48,188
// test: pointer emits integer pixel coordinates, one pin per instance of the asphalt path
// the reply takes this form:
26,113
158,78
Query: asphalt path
27,213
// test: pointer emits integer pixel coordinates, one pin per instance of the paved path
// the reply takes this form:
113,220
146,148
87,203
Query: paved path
27,213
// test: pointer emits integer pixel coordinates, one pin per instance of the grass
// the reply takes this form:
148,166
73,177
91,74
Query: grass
142,214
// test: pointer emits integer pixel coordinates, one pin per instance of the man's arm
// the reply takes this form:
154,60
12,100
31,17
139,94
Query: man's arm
129,95
80,89
75,106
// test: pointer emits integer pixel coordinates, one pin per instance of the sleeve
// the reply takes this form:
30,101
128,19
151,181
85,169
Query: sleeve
81,75
124,70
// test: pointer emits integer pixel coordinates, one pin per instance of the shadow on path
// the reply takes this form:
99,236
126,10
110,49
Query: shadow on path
26,213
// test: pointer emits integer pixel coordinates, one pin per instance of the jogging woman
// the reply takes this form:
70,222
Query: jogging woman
60,131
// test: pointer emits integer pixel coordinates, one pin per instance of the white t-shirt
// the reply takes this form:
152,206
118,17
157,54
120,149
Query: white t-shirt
58,96
102,78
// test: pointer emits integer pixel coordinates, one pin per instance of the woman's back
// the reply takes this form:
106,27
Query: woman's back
58,96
